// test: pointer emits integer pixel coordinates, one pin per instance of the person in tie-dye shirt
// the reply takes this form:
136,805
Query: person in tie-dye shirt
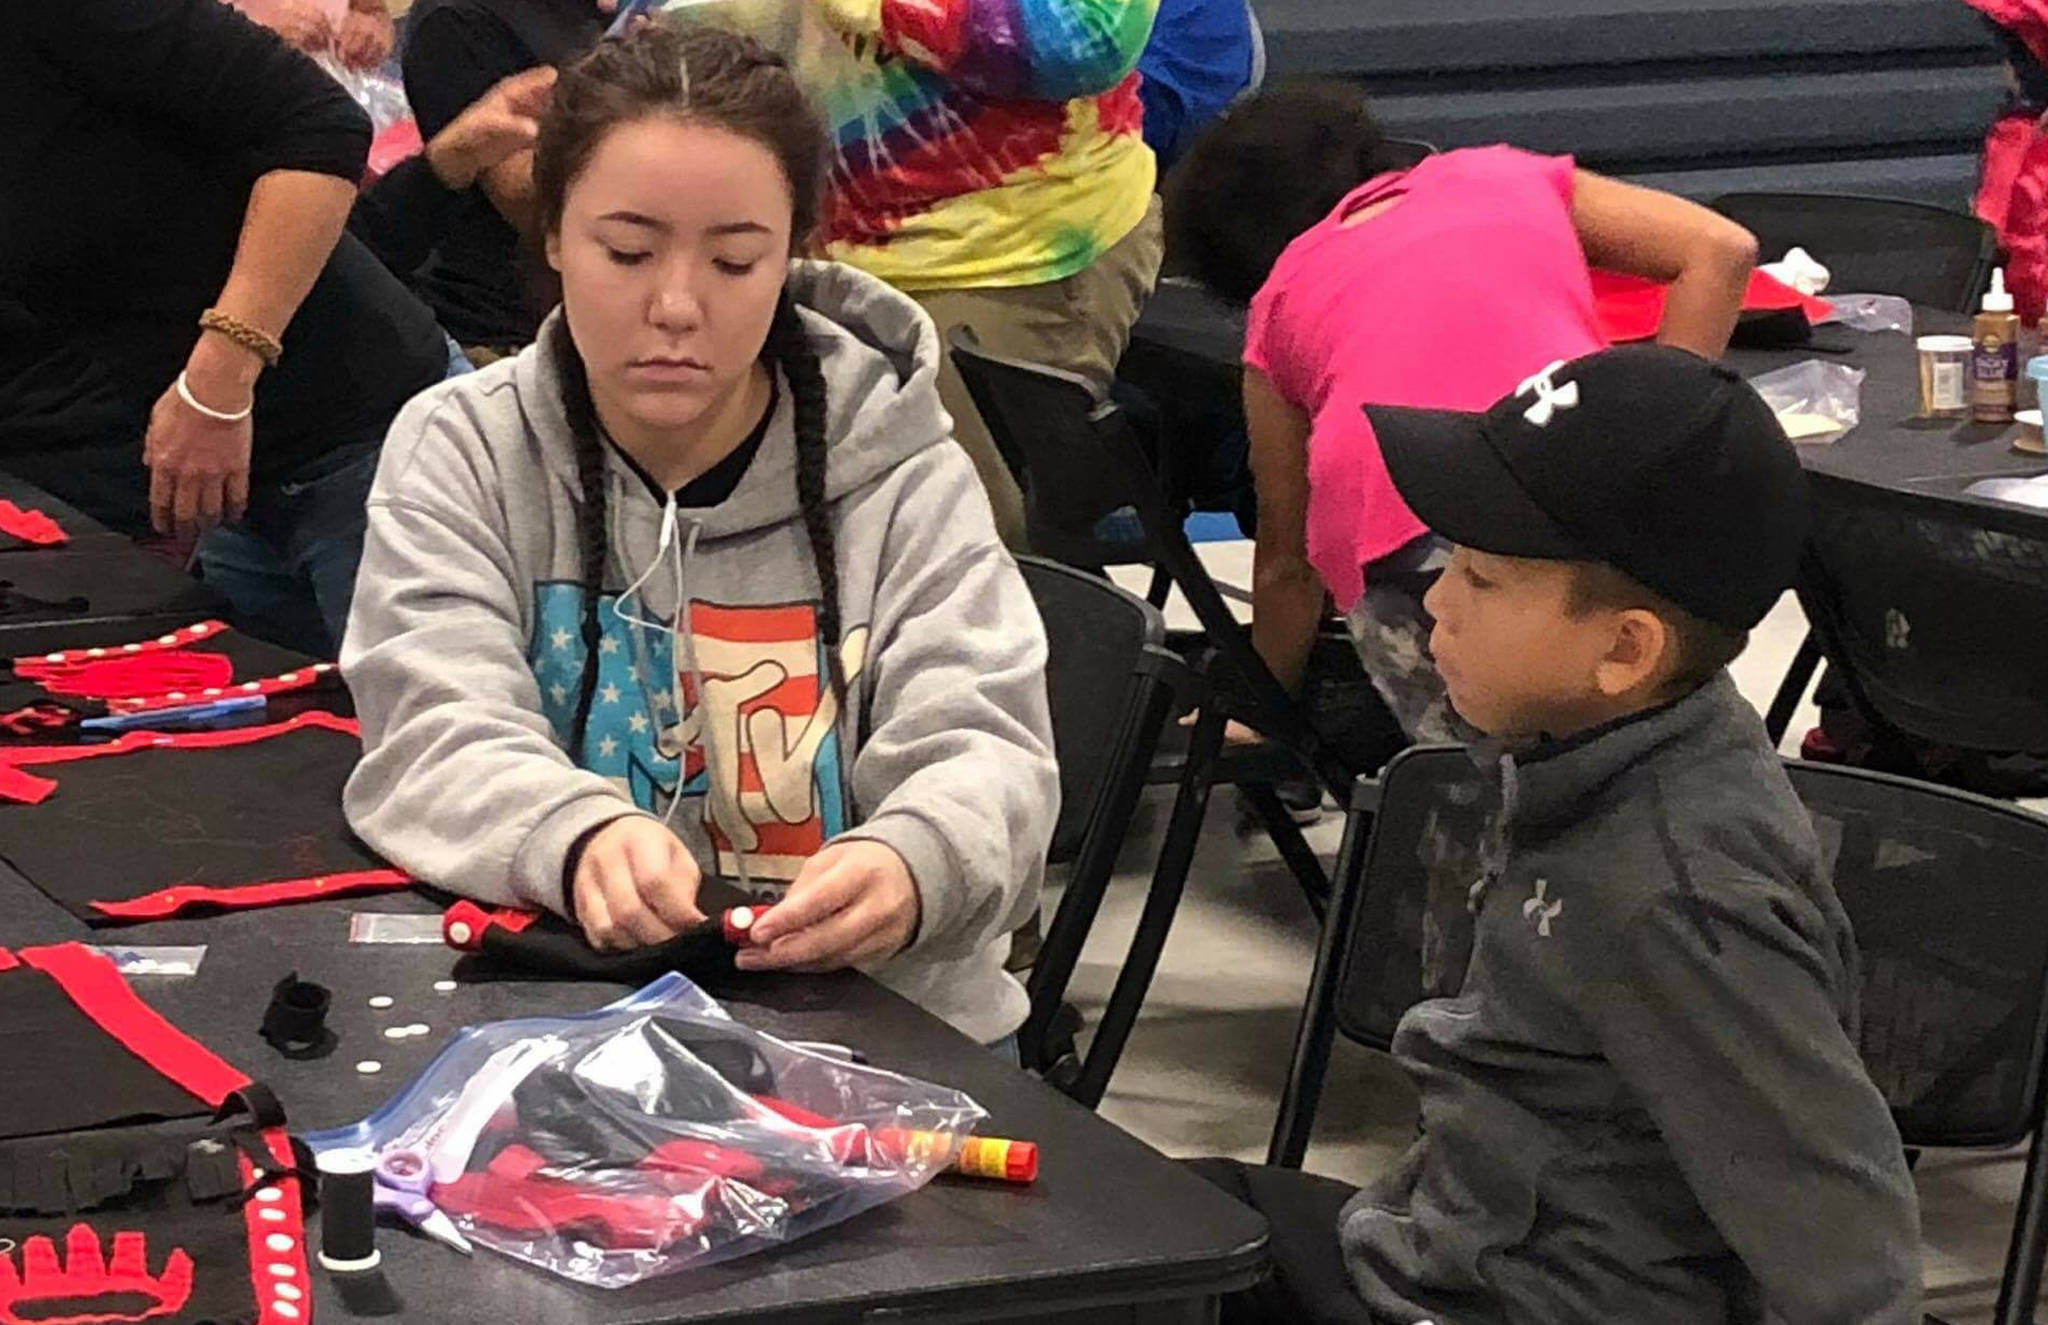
988,161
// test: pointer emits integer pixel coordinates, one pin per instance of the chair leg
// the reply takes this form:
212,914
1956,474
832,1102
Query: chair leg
1313,1036
1292,846
1169,880
1792,689
1089,883
2022,1284
1162,585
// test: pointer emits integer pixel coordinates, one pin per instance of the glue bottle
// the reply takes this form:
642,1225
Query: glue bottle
1995,356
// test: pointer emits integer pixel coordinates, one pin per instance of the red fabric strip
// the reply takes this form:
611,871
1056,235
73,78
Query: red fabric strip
93,983
24,788
166,902
8,961
35,756
32,527
32,668
277,1276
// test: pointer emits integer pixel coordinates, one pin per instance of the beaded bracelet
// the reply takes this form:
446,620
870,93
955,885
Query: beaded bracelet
253,339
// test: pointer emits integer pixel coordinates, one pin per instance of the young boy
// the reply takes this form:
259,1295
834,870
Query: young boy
1645,1104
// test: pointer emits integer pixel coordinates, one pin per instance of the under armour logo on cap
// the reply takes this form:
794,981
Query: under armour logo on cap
1541,909
1550,397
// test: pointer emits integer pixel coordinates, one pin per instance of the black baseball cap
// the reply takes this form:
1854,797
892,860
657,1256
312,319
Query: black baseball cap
1655,461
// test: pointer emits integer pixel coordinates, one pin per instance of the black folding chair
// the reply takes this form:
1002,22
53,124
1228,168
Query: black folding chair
1030,410
1930,255
1112,684
1943,889
1932,609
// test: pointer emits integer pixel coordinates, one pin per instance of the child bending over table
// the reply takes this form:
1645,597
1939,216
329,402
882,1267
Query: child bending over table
1644,1101
699,582
1441,286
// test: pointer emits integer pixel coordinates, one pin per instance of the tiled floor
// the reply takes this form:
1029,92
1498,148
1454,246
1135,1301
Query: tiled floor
1203,1071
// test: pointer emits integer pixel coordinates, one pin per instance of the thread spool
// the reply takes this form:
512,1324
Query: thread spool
348,1216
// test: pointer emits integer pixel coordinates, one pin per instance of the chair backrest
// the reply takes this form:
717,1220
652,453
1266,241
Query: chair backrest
1038,417
1943,889
1945,892
1934,608
1930,255
1106,649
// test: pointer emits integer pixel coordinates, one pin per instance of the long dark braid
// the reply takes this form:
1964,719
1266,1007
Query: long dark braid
592,536
792,350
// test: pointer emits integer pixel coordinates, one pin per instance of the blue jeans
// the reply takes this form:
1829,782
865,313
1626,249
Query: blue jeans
288,567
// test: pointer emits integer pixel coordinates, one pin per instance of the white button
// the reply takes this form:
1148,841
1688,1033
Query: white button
458,933
252,685
285,1309
444,986
167,639
95,653
418,1028
369,1066
289,677
395,1032
279,1270
269,1194
270,1214
289,1292
53,657
323,667
175,694
279,1242
380,1001
131,648
210,691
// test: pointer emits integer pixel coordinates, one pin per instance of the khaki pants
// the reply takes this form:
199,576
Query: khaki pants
1079,324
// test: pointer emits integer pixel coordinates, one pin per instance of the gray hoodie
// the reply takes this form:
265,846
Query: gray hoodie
1645,1102
465,646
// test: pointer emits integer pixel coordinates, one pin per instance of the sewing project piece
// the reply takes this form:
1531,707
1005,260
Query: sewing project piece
141,1178
541,943
150,825
43,698
650,1136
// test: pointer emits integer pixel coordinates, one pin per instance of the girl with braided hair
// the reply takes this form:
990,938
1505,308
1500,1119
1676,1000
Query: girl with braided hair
699,584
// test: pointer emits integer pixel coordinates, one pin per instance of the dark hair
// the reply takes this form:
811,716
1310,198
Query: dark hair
708,76
1271,167
1700,648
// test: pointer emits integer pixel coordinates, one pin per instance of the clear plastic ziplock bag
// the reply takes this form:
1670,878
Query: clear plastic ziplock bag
647,1137
1815,401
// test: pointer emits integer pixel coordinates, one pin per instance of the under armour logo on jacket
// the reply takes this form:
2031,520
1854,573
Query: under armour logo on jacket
1541,909
1550,397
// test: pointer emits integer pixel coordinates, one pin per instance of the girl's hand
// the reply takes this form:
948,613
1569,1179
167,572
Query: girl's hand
853,904
635,884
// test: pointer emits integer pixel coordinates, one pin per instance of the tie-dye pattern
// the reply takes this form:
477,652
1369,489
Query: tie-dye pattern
979,143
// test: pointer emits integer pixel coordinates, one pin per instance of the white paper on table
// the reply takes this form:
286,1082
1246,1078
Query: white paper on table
2018,491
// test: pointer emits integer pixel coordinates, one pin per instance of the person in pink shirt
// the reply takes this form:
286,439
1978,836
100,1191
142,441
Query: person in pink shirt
1442,286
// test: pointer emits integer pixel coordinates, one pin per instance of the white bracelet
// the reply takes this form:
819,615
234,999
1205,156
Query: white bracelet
185,394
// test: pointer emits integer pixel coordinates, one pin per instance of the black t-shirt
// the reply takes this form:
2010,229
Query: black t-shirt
134,132
479,281
720,481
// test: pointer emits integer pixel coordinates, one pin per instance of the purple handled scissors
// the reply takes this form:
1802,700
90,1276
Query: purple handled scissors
403,1180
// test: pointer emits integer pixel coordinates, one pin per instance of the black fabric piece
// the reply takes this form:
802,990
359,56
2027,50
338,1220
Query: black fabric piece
551,945
270,810
1308,1285
295,1023
720,481
144,125
137,1156
482,281
61,1075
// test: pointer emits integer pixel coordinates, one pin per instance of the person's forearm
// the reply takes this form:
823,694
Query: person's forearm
1704,302
1287,611
291,224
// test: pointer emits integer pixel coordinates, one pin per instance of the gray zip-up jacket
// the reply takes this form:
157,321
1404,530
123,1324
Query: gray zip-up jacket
465,648
1645,1103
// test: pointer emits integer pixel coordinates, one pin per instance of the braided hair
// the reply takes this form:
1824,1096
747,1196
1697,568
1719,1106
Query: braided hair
710,76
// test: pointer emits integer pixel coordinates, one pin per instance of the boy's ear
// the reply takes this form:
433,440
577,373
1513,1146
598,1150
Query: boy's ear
1638,654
